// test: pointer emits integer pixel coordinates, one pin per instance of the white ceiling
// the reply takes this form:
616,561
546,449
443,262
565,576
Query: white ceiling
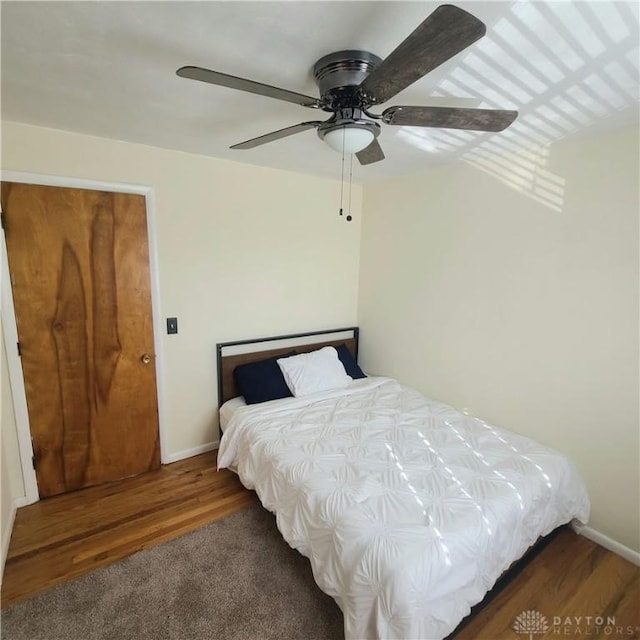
108,69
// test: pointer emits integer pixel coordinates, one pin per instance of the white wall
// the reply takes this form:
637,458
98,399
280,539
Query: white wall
243,252
519,305
11,485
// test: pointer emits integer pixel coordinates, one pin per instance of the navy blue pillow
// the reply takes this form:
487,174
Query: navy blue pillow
350,365
262,380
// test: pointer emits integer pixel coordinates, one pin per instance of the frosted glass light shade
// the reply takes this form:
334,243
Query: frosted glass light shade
354,139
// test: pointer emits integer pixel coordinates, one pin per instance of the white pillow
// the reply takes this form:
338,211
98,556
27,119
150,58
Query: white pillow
319,370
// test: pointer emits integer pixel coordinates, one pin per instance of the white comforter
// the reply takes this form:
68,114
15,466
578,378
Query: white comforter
407,509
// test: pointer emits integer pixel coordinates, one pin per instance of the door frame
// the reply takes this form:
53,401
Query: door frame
10,328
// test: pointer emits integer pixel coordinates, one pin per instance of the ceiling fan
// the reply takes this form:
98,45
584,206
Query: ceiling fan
351,82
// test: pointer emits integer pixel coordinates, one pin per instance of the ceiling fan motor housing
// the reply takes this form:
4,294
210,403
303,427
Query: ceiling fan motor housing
339,74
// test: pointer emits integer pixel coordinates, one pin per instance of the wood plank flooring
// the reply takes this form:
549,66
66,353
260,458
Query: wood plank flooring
572,583
567,587
62,537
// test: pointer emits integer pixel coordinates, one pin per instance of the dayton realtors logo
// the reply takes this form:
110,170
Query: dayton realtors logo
533,623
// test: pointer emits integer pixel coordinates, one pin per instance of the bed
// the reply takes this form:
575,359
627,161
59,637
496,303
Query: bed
408,510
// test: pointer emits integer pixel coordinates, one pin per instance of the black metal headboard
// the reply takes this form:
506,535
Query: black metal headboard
227,363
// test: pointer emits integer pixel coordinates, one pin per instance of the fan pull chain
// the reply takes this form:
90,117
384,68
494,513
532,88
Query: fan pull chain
349,217
342,173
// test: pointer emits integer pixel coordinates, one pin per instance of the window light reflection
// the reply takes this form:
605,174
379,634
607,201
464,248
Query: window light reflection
562,65
522,455
427,515
456,480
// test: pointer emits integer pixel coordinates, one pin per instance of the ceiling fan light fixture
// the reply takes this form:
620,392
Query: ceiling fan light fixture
350,138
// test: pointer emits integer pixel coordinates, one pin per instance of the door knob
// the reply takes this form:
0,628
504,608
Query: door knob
145,358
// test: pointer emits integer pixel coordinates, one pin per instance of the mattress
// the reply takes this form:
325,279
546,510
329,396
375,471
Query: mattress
407,509
228,409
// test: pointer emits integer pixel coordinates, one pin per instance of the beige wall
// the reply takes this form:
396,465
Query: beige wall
243,252
520,305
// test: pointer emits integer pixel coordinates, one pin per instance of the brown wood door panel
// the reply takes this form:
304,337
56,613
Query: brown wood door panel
79,266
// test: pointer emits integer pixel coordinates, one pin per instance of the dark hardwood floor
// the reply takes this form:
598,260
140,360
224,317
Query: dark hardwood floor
573,588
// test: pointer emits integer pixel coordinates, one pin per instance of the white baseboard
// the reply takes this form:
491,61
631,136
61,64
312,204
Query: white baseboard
188,453
6,538
6,534
610,544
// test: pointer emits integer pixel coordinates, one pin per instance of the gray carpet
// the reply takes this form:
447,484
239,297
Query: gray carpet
235,579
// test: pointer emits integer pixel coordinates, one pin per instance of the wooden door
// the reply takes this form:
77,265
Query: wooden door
79,268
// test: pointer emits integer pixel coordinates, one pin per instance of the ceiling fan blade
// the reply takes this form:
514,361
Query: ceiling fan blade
276,135
242,84
446,32
372,153
450,118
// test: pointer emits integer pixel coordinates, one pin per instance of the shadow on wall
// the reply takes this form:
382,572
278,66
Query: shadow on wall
589,55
